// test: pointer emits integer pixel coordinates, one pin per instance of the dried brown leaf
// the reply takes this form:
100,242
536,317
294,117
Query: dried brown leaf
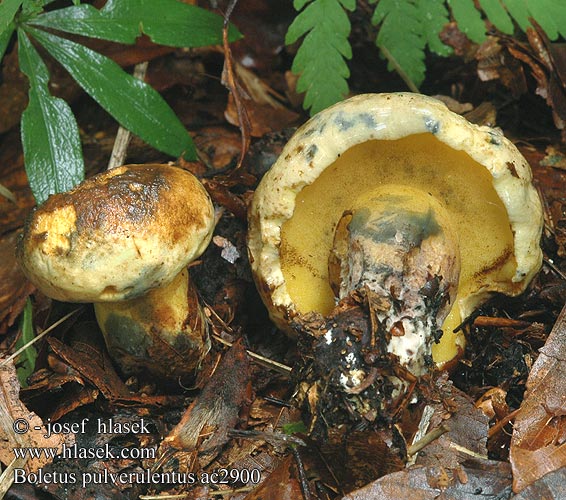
467,429
14,287
230,81
14,414
265,111
281,484
552,486
538,444
487,478
495,63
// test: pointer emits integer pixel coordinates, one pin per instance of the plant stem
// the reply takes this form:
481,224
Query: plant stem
123,136
399,70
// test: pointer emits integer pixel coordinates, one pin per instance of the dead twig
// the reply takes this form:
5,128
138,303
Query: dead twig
40,336
500,322
229,80
428,438
124,136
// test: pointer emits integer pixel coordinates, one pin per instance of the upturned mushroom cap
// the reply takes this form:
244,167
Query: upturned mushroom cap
379,140
117,234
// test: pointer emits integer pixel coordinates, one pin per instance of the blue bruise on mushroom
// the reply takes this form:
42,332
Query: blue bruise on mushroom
311,152
315,125
432,125
127,335
414,227
344,123
494,138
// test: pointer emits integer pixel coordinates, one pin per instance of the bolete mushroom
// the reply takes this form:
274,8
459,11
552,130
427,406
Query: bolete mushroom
122,240
395,194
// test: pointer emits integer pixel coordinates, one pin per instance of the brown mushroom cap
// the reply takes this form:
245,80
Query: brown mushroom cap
117,234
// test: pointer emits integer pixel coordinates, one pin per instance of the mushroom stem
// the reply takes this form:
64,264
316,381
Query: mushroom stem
161,330
399,243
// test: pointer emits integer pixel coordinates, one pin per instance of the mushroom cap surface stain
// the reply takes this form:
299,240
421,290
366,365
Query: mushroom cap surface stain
117,234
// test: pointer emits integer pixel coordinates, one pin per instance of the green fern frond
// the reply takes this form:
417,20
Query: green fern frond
497,14
401,37
469,19
406,29
434,16
550,15
320,60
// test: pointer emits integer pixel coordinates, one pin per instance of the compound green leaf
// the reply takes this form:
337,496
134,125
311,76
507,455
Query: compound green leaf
400,33
434,16
550,15
519,12
8,9
166,22
299,4
497,15
469,19
50,136
133,103
5,37
33,7
320,60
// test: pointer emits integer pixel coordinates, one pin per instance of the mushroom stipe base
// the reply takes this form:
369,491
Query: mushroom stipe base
420,162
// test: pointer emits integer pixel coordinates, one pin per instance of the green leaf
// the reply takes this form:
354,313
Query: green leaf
136,105
294,428
497,15
400,33
5,37
469,19
434,16
8,10
166,22
33,7
26,359
320,60
550,15
50,136
519,12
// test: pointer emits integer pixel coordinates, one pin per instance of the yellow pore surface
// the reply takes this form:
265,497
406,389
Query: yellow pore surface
420,161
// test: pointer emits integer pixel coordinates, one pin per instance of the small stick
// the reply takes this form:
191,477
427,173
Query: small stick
230,81
302,474
7,477
268,363
428,438
502,423
400,71
500,322
6,193
40,336
124,136
552,266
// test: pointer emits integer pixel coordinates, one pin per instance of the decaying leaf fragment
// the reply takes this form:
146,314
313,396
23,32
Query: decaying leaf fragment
14,414
538,446
204,427
547,62
484,479
281,484
14,288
